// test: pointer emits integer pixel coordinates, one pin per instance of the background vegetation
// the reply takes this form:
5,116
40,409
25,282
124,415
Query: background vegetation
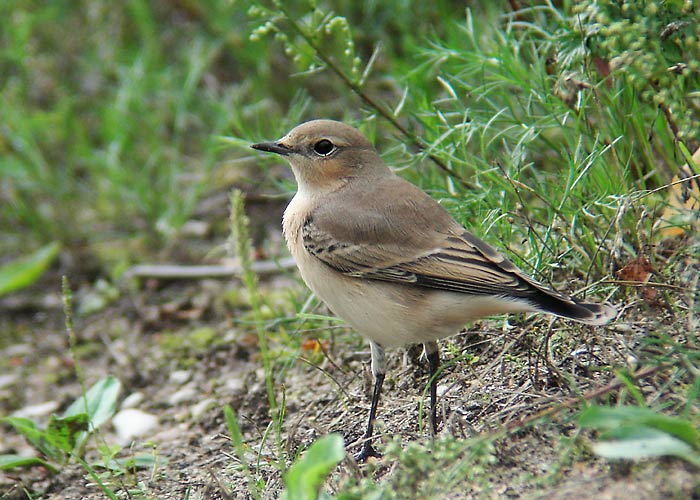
561,132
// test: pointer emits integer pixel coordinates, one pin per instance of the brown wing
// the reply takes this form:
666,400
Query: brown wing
392,231
395,232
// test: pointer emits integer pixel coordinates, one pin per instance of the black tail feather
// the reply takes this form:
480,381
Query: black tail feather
565,307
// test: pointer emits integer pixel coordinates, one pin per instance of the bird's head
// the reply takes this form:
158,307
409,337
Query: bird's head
325,154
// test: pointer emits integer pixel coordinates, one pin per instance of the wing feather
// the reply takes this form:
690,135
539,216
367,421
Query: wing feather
454,264
409,238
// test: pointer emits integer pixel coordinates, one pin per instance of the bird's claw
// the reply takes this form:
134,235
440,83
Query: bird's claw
366,452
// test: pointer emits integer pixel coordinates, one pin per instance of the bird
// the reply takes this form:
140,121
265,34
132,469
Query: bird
389,260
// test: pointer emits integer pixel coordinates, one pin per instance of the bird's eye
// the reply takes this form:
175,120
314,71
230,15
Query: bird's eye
324,147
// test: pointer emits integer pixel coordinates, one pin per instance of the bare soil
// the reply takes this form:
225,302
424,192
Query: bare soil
188,354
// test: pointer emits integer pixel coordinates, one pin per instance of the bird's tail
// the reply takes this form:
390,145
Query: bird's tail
566,307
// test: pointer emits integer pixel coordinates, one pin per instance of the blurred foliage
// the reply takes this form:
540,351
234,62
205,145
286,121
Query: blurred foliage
654,47
23,272
113,113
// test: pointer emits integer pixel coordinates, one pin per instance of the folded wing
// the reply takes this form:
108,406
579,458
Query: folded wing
418,243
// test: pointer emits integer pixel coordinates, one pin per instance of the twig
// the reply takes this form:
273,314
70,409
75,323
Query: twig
645,284
671,123
174,272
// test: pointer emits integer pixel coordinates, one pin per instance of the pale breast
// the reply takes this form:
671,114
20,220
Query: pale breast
386,313
294,216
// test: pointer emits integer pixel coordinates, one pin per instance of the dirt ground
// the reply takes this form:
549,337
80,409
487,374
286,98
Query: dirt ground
185,352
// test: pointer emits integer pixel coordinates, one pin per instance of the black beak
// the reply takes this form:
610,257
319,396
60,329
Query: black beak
272,147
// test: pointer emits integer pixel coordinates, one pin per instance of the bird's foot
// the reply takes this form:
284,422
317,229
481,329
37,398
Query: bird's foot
366,452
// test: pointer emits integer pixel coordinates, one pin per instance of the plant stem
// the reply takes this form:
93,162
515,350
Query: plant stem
241,245
369,100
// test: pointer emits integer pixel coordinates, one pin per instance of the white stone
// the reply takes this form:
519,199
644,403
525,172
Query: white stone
180,377
198,410
7,379
133,400
235,384
132,423
187,393
38,410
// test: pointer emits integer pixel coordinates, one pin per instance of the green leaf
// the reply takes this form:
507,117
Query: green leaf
321,317
234,429
101,401
141,461
36,437
636,432
607,419
306,476
63,432
644,442
22,272
13,461
24,426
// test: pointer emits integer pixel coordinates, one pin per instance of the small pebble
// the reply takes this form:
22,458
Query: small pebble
133,400
7,379
187,393
132,423
235,384
180,377
198,410
38,410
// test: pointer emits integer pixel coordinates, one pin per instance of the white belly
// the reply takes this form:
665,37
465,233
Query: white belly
393,314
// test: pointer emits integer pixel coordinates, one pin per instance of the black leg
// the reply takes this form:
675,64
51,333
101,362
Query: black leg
432,353
367,448
379,371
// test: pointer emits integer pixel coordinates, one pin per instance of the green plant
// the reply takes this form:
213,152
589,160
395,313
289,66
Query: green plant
109,134
241,246
305,477
635,432
64,439
654,48
25,271
239,448
65,436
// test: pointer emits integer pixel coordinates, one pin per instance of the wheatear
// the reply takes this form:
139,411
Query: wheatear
389,260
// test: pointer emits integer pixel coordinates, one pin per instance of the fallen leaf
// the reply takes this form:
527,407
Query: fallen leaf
639,270
314,346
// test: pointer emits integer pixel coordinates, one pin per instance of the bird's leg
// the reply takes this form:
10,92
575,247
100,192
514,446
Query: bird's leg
379,371
432,354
